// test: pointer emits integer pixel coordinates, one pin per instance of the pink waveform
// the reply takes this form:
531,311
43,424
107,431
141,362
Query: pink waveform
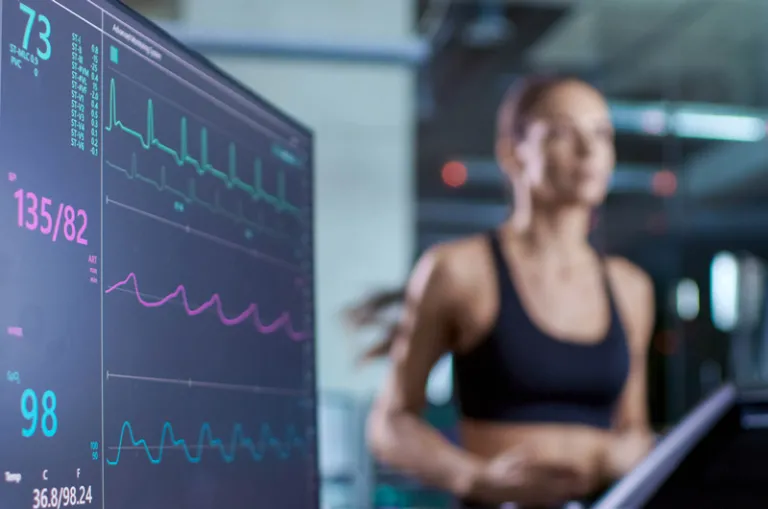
252,311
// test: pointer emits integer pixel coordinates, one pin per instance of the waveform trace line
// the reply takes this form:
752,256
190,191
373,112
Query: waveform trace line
291,133
205,235
141,83
291,136
206,440
210,385
203,165
286,149
251,312
191,196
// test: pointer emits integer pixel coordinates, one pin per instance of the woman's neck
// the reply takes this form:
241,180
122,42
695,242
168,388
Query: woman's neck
552,230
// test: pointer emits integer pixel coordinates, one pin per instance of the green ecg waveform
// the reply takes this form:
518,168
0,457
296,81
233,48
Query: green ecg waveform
190,196
202,166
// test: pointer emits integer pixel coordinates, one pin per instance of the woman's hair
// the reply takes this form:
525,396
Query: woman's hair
373,311
514,114
513,118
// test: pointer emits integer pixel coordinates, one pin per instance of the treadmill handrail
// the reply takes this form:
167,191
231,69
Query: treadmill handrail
636,488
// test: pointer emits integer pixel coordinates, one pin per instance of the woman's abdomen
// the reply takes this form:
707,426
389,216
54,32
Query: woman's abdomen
578,447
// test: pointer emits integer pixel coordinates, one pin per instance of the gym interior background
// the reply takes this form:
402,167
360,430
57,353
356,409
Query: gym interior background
401,95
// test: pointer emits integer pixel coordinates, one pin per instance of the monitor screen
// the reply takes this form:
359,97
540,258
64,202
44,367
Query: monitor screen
156,274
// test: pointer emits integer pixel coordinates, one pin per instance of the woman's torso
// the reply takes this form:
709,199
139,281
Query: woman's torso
523,333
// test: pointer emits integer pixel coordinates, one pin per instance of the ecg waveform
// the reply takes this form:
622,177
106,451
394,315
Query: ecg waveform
202,166
257,449
251,312
190,196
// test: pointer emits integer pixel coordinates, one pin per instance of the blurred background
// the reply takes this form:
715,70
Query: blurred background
402,95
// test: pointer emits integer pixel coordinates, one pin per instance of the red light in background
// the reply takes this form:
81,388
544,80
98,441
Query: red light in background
664,183
454,174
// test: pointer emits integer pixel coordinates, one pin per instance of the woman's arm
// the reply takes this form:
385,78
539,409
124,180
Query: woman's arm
632,437
396,433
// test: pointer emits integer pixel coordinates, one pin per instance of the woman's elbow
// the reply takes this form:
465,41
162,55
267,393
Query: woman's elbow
380,435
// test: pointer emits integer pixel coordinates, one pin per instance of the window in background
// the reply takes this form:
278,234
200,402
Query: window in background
440,382
687,299
724,276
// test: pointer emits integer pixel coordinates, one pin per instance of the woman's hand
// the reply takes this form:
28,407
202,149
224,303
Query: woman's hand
522,476
626,450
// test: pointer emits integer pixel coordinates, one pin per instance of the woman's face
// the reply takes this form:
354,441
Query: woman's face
568,155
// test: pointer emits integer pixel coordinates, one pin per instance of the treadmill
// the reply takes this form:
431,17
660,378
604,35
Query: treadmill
715,458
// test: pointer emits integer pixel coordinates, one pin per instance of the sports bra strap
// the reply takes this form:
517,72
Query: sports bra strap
603,260
498,254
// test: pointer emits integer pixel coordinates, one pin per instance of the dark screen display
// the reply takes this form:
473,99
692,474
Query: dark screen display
156,273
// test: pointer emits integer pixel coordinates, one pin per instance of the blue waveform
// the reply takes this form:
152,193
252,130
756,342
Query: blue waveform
257,449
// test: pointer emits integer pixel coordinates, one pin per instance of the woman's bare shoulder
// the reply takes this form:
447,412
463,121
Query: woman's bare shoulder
630,279
634,292
463,260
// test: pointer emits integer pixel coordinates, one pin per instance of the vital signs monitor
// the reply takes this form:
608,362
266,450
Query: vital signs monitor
156,270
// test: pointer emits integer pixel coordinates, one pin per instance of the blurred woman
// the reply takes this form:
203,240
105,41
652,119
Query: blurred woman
549,338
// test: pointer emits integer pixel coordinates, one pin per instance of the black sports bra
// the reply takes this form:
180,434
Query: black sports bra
520,374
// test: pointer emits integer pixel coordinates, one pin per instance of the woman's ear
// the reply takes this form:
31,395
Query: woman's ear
506,156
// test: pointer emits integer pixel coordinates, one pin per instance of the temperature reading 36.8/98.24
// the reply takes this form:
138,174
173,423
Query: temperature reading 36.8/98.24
66,496
38,213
